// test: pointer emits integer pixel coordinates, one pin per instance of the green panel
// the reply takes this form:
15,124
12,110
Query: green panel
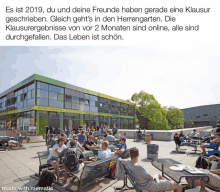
81,121
48,80
33,93
60,97
18,85
126,117
41,130
91,92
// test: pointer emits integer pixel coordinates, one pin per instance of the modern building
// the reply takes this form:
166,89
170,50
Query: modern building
202,115
39,100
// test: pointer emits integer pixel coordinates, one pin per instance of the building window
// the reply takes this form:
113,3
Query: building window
205,114
86,102
197,116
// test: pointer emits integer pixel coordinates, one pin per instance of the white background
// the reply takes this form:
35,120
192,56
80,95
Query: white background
179,68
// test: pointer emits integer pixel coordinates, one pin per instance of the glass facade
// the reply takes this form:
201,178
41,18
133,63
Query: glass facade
89,108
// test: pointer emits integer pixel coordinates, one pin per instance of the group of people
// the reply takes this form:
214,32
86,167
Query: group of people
14,141
103,129
81,142
207,142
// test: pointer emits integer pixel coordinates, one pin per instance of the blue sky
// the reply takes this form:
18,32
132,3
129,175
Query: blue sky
181,78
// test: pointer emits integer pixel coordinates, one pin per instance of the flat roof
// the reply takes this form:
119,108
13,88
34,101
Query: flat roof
61,84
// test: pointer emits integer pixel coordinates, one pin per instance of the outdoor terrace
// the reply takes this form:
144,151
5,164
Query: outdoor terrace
18,165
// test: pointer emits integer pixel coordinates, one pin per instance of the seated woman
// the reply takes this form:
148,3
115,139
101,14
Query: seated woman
214,176
144,180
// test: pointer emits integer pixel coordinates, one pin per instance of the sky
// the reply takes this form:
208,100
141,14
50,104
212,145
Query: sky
181,78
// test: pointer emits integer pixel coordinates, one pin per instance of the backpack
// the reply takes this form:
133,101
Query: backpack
46,179
71,159
202,162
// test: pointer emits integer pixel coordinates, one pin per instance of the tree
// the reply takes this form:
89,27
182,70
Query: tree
141,100
156,116
218,121
191,122
174,116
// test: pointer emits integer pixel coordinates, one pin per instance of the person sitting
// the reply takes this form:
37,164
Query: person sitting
96,140
214,176
117,135
110,138
139,134
212,143
14,141
56,150
63,132
90,144
95,134
71,135
178,141
104,138
90,133
122,145
181,135
52,138
69,165
105,152
144,180
81,137
194,133
78,144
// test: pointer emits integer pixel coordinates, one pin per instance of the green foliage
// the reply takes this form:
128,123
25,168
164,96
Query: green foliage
191,122
155,116
218,121
174,117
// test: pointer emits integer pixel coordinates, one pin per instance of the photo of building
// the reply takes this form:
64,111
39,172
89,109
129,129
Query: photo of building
39,100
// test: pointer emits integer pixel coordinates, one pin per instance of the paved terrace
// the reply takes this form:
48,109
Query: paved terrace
16,166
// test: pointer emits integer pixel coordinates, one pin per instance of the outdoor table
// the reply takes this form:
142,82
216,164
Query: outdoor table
88,153
95,151
195,142
164,166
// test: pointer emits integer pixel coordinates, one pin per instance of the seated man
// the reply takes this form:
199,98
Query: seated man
214,176
182,136
63,132
212,143
144,180
56,150
90,144
14,140
110,138
95,134
78,144
81,137
139,134
194,133
105,152
122,145
71,135
117,135
69,165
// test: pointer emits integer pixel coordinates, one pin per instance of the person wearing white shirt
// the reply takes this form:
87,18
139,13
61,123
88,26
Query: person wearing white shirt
193,133
117,135
57,148
105,152
71,135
